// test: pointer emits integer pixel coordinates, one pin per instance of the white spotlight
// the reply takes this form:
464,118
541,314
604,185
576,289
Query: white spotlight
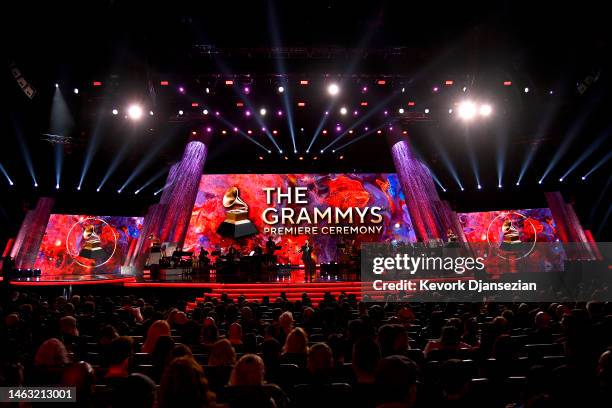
561,179
205,111
485,110
115,112
333,89
135,112
180,112
76,91
281,89
56,85
263,111
583,178
343,110
526,90
467,110
57,186
151,113
401,110
426,110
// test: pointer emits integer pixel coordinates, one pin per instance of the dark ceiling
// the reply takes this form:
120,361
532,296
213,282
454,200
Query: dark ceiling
132,46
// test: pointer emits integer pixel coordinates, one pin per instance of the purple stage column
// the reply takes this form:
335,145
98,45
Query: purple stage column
151,225
569,229
419,192
183,192
31,233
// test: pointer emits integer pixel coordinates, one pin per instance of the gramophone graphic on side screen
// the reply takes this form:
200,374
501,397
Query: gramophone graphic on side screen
510,233
237,223
91,245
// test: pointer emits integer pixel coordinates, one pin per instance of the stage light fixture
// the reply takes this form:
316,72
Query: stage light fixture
78,188
263,111
76,91
539,181
450,111
401,111
135,112
223,132
583,178
518,183
247,113
485,110
426,110
304,82
180,112
247,90
467,110
281,89
207,90
364,89
269,151
343,110
333,89
181,89
137,191
561,179
279,113
526,90
164,83
56,85
464,88
209,129
355,113
151,113
57,186
98,189
499,186
115,112
436,89
507,83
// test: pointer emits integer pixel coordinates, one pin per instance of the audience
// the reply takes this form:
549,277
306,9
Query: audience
338,352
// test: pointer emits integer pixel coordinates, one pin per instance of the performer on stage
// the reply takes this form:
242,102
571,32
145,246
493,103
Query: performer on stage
309,265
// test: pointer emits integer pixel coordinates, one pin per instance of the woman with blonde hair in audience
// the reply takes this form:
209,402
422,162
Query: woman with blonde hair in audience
158,329
296,348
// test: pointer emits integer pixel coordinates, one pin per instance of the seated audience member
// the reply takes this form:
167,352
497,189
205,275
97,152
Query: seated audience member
159,356
270,352
179,350
454,385
248,371
137,391
393,340
184,385
119,359
449,340
395,379
221,360
234,335
158,328
296,348
80,375
210,333
366,355
222,354
542,332
320,363
49,362
286,322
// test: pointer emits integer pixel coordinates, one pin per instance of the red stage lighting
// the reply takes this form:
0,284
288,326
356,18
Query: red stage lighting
229,82
507,83
195,104
239,104
449,82
164,83
304,82
97,83
363,103
411,103
301,104
381,82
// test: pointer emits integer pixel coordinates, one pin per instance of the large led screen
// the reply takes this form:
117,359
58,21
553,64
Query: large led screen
335,212
86,244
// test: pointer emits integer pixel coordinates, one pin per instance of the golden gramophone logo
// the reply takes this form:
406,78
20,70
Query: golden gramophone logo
91,242
512,235
237,223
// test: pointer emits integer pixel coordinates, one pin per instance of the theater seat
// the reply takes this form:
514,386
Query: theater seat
416,355
255,396
322,395
535,352
217,376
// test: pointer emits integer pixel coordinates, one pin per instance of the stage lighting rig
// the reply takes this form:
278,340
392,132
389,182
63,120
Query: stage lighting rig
134,112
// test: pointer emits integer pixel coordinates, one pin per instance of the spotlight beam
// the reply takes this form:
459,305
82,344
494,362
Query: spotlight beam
114,164
598,142
447,162
144,162
8,178
599,164
152,179
349,71
25,151
280,67
569,138
363,119
350,142
473,159
61,123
